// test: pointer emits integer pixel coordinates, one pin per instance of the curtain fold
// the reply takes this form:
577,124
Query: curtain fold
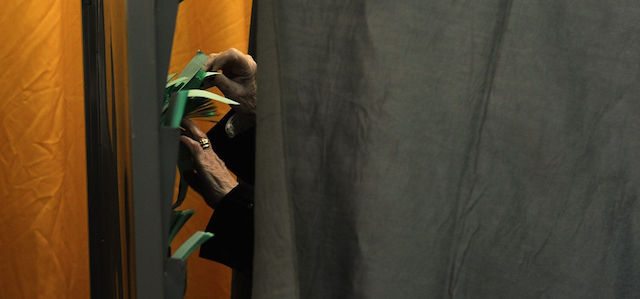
421,149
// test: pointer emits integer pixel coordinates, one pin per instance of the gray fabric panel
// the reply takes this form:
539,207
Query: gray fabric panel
457,149
274,271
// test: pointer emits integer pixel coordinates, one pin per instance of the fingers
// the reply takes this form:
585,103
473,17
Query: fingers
211,179
192,130
209,63
193,146
237,80
199,155
241,92
229,88
223,60
232,62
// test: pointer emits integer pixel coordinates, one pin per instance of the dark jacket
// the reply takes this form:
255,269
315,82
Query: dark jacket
232,221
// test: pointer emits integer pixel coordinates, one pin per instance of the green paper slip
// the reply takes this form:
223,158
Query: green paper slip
194,65
197,80
207,84
196,105
197,93
174,217
176,82
175,109
182,192
169,77
209,74
190,80
192,244
178,219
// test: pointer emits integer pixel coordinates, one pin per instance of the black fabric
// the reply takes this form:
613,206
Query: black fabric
232,224
241,285
232,221
448,149
238,153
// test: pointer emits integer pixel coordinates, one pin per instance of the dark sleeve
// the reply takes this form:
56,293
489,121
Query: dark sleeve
232,228
238,153
232,220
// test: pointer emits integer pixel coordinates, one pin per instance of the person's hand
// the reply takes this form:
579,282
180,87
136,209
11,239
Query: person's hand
212,180
237,81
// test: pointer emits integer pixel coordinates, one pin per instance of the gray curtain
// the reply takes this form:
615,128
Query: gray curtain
448,149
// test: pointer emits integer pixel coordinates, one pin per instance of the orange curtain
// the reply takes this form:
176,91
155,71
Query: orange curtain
209,26
43,212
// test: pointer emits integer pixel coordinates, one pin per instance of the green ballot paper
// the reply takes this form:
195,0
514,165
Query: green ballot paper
192,244
178,219
184,96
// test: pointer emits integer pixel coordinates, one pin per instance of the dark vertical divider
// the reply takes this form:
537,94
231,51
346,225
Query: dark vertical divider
130,157
103,204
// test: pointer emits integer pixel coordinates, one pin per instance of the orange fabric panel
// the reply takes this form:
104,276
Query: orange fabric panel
43,212
209,26
117,77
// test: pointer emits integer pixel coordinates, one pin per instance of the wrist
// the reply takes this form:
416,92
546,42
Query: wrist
219,193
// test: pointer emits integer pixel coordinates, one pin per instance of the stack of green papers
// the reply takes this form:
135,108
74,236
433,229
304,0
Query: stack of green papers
184,98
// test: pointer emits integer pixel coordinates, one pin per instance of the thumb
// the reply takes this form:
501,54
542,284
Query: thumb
193,146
